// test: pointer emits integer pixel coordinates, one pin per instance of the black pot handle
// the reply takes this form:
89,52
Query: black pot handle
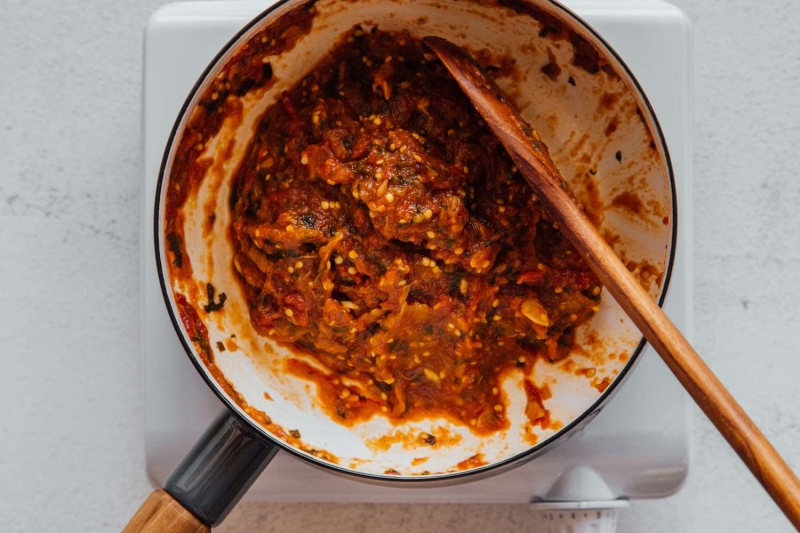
209,481
219,469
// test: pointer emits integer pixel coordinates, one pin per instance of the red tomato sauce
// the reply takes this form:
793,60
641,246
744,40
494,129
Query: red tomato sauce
381,227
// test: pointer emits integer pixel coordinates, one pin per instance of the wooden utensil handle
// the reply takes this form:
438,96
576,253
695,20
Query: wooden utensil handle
526,148
161,513
699,381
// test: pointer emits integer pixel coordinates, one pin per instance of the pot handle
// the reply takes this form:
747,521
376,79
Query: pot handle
162,512
208,482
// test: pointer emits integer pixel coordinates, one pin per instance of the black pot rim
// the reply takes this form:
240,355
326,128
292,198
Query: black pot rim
439,479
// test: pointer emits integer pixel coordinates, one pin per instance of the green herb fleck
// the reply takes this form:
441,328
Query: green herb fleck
212,305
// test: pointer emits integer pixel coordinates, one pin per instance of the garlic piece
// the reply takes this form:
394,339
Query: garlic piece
535,312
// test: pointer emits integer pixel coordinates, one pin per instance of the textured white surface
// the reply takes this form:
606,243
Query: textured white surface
70,451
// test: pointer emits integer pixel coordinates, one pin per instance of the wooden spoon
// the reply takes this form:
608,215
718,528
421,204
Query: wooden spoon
529,153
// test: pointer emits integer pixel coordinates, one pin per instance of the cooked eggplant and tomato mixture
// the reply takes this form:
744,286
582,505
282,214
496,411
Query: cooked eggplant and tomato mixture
382,229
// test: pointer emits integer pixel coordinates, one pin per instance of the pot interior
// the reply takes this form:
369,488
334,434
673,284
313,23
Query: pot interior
601,134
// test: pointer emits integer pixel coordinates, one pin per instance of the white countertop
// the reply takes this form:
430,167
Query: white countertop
71,456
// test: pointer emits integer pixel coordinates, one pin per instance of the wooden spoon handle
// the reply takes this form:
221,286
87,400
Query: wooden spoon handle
699,381
531,156
161,513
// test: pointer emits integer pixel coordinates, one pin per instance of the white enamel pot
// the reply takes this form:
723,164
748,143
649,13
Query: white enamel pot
601,132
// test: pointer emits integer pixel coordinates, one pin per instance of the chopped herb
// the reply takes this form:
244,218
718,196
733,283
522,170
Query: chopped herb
618,155
212,305
175,247
266,71
571,81
202,342
306,220
398,347
294,433
220,346
427,438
